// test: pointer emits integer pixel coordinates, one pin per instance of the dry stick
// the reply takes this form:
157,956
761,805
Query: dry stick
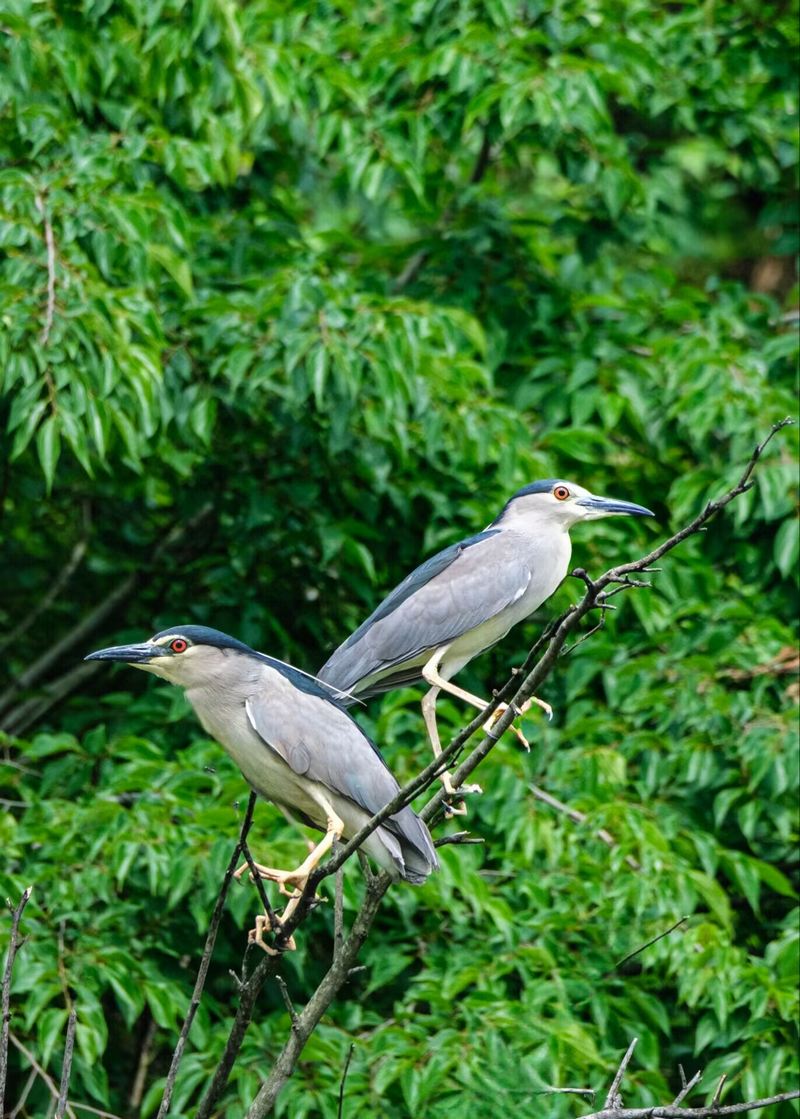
92,620
13,945
51,272
340,1112
668,1111
143,1067
614,1099
66,1067
55,588
687,1085
642,947
552,640
205,960
580,818
45,1076
308,1019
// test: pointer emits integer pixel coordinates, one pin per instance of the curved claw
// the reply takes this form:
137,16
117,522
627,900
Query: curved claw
264,924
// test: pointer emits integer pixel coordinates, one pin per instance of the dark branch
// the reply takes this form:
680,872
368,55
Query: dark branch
66,1067
205,959
13,946
642,947
340,1112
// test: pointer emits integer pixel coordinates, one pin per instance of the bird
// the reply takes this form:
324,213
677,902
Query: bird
295,745
464,599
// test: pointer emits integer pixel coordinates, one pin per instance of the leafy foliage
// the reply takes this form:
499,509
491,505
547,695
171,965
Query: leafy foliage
326,284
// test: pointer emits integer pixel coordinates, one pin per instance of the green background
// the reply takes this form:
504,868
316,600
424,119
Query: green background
329,283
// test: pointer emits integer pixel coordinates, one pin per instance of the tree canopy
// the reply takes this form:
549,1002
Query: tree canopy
292,296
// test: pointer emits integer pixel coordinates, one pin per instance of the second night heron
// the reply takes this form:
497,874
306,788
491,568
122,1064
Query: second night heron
464,599
294,744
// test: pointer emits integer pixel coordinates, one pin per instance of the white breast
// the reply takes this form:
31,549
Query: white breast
549,561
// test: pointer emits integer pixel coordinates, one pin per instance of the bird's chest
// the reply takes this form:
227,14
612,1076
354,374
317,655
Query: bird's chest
546,564
262,767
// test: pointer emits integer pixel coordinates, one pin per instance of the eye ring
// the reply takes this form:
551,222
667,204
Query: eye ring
179,645
560,493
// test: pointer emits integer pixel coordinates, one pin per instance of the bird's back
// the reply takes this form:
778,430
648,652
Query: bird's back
480,587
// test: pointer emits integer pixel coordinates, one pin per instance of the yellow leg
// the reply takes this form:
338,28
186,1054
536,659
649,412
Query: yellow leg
429,715
431,674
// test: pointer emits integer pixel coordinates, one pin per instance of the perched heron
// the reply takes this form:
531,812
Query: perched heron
294,744
464,599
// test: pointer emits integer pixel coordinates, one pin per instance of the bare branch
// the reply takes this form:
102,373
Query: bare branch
88,624
669,1111
580,818
205,959
66,1066
51,1085
55,587
555,638
642,947
287,1002
338,912
340,1112
13,946
142,1066
614,1099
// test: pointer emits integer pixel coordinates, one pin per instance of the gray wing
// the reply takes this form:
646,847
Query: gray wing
319,740
482,576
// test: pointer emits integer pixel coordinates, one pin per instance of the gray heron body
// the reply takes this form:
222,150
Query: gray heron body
463,600
294,744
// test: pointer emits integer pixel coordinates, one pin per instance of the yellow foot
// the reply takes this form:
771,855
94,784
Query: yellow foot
519,711
273,875
451,794
264,924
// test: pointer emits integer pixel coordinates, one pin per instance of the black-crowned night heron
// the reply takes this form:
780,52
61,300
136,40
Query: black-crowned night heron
466,598
294,744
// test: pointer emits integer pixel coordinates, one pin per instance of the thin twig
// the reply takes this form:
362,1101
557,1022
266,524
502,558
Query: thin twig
340,1112
49,241
66,1066
687,1085
205,959
13,946
338,912
54,588
45,1076
642,947
718,1092
143,1066
671,1112
259,884
614,1099
458,839
580,818
33,1076
287,1002
57,649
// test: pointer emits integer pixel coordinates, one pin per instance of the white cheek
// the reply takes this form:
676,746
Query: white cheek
157,668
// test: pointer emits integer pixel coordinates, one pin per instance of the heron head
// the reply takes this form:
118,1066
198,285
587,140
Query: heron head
556,502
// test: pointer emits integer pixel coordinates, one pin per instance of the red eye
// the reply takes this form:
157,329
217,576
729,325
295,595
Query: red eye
561,493
179,645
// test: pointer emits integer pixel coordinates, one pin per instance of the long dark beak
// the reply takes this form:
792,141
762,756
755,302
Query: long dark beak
128,654
607,506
